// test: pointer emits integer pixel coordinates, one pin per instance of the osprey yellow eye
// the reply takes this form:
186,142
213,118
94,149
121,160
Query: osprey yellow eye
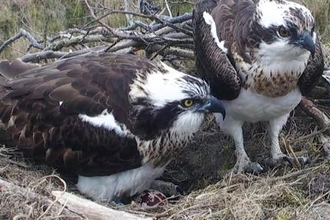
188,103
283,32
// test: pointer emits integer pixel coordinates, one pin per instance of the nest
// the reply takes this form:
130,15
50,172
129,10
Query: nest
33,191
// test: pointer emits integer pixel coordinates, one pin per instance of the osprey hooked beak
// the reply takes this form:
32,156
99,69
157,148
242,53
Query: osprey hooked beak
213,105
306,41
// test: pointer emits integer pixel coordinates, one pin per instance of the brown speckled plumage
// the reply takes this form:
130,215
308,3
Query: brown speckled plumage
276,86
41,107
236,23
260,56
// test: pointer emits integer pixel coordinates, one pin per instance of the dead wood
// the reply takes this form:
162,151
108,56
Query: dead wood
322,120
310,108
155,31
91,209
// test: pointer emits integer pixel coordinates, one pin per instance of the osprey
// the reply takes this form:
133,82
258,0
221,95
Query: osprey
260,57
114,120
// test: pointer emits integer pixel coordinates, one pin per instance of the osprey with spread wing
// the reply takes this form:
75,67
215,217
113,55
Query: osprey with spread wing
260,57
115,120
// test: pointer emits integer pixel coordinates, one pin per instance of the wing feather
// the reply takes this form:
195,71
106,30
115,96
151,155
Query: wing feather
212,63
41,106
313,71
11,69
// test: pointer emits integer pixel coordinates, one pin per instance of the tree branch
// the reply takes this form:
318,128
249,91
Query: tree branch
321,119
173,33
50,54
91,209
22,33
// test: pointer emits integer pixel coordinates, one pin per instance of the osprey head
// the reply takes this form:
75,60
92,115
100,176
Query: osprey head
288,30
170,101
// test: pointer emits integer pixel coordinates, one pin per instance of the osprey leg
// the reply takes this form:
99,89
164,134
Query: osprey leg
243,162
277,156
275,127
233,127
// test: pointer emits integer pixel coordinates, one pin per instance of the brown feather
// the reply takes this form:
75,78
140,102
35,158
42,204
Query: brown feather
237,26
313,71
30,109
11,69
212,63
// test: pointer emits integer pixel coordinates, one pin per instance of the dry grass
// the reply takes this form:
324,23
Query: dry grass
39,179
212,193
238,197
247,197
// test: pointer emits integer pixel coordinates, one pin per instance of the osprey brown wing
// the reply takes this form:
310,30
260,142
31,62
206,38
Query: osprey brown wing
234,19
41,107
11,69
213,64
313,71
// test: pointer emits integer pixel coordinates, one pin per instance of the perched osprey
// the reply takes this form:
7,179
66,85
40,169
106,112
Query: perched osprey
260,57
115,120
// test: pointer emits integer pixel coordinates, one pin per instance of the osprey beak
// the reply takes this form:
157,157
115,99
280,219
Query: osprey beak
306,41
213,105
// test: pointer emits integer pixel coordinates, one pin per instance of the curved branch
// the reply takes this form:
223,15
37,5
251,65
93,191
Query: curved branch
22,33
50,54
